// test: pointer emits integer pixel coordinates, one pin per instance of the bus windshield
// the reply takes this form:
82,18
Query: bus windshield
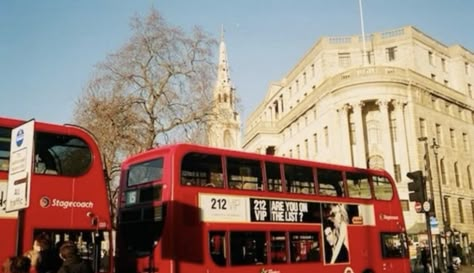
56,154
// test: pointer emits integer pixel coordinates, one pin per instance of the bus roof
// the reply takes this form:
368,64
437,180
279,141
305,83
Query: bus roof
179,147
41,126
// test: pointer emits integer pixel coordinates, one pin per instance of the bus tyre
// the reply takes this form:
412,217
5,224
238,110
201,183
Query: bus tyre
368,270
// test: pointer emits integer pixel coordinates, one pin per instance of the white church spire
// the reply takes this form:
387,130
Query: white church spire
224,129
223,77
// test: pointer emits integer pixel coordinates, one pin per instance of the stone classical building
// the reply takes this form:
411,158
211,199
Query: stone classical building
224,126
373,109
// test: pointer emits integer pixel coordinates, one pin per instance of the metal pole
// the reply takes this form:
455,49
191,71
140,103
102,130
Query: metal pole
429,176
435,147
427,214
430,239
363,32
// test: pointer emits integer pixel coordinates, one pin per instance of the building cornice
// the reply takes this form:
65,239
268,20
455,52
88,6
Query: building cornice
382,75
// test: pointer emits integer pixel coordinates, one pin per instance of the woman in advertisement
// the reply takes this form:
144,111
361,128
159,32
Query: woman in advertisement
335,232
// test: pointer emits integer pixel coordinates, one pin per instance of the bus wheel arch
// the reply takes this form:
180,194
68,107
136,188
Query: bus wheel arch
368,270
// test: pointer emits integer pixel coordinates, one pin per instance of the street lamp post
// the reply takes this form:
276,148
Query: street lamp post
435,148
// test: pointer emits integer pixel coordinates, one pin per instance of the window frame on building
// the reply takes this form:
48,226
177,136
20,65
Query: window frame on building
391,53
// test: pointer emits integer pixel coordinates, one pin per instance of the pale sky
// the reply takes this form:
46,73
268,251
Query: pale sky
48,49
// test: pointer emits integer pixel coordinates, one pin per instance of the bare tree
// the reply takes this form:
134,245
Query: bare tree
155,90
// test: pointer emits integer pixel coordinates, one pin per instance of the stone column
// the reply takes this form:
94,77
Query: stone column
360,155
344,130
402,137
386,139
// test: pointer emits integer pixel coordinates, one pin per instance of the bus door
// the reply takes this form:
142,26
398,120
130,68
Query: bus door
94,246
394,251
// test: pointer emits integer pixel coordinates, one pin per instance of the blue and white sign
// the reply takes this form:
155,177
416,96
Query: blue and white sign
434,225
21,166
20,136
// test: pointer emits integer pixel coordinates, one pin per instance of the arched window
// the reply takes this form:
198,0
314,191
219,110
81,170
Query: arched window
373,132
376,162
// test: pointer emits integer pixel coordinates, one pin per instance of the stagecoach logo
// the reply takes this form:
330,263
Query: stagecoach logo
269,271
388,217
45,202
20,136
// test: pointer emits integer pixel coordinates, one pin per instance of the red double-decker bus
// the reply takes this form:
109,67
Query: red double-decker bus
68,194
193,209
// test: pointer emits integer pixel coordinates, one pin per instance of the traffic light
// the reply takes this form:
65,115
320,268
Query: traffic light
417,188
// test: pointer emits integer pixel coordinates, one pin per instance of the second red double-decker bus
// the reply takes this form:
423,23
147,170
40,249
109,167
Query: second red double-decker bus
68,195
194,209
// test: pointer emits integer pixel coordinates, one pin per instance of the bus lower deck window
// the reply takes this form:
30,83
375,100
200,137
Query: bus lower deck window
305,247
247,248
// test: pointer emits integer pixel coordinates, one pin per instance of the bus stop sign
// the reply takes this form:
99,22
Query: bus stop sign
21,166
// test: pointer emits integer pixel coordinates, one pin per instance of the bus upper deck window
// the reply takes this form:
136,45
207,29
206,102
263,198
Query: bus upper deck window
61,155
4,148
330,182
204,170
299,179
382,188
274,181
4,164
358,185
244,174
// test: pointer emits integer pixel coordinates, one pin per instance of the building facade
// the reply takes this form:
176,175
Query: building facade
382,108
224,128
